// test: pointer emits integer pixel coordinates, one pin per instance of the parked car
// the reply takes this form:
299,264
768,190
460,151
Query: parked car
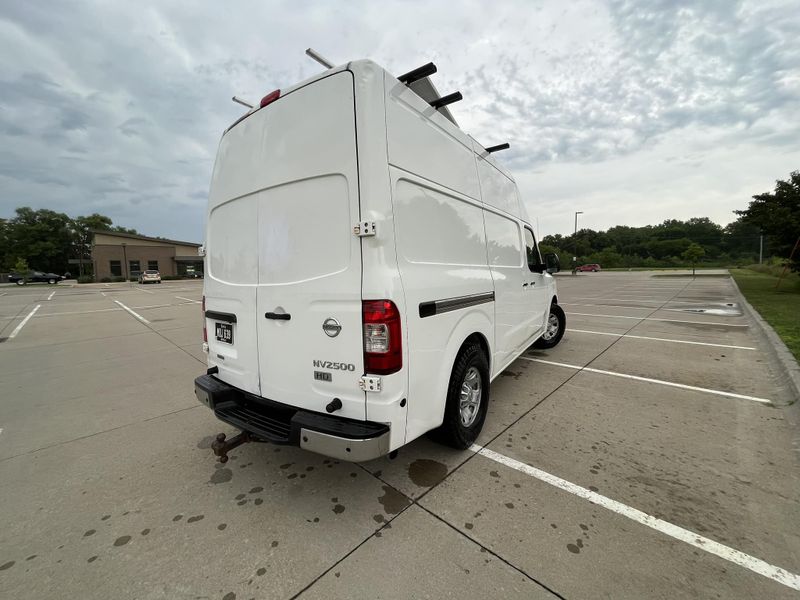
149,276
35,277
594,268
352,338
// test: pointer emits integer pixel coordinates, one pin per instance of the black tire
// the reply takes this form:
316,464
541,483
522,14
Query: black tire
51,281
550,338
453,430
20,282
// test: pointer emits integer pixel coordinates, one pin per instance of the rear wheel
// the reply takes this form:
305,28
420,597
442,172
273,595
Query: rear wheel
20,282
51,281
556,325
467,399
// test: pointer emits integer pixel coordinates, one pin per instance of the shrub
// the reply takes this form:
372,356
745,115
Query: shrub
117,279
86,279
105,280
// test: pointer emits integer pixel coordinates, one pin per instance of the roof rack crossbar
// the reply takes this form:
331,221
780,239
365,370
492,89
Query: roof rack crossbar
418,73
445,100
491,149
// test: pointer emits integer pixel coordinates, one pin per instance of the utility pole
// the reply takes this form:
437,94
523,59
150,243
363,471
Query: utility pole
575,240
760,248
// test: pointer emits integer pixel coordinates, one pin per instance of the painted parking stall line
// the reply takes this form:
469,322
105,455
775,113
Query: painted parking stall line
658,339
657,319
756,565
50,297
188,299
682,386
137,315
19,327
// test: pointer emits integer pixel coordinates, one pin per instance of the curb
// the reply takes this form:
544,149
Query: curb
787,365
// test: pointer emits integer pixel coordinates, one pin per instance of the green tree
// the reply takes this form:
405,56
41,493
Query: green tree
777,214
42,237
692,254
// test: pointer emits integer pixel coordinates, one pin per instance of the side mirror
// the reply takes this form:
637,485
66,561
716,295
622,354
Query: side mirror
552,264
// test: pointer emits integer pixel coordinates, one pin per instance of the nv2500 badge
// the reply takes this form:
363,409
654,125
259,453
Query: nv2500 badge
335,366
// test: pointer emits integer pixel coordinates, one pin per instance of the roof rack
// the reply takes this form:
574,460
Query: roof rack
418,73
498,147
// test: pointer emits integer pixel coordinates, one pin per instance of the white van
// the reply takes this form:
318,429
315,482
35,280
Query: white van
369,270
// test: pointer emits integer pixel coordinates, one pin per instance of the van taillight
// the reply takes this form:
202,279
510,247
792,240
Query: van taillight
271,97
205,331
383,346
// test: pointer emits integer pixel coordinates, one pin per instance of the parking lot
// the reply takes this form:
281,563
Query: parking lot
649,455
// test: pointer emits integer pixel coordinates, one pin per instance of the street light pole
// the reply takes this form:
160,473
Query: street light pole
575,240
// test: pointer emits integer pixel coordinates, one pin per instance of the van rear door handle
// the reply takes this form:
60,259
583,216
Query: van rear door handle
524,285
278,316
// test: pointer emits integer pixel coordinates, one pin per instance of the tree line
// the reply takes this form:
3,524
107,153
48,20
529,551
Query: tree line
45,240
773,215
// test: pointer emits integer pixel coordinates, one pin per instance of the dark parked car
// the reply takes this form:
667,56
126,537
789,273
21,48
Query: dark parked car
594,268
35,277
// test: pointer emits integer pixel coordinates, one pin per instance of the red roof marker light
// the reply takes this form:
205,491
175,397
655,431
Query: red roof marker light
271,97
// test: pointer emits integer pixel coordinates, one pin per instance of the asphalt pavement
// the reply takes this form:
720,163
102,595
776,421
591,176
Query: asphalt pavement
649,455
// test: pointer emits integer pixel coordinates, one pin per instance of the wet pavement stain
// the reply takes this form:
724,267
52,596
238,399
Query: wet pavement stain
222,526
31,557
239,496
494,474
91,559
121,541
274,543
468,525
177,518
392,500
145,531
229,596
90,532
573,548
221,476
105,517
379,518
195,518
256,490
261,571
509,505
7,565
338,509
258,501
426,473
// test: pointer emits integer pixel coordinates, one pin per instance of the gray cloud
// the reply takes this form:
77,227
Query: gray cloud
118,108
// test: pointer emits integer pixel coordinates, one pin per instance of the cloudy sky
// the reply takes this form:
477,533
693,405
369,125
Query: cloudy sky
632,112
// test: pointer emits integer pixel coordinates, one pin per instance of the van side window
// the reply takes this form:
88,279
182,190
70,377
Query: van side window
532,251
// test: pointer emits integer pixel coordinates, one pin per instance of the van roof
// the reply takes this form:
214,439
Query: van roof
424,88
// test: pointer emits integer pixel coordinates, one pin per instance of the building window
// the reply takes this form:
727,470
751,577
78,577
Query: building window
116,268
134,267
152,265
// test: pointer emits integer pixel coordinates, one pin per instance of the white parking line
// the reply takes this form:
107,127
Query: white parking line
756,565
78,312
102,293
22,323
188,299
682,386
143,290
50,297
655,319
138,316
657,339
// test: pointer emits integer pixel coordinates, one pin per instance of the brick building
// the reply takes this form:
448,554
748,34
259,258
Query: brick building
123,254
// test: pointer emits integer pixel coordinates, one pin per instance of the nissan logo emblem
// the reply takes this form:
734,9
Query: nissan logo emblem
331,327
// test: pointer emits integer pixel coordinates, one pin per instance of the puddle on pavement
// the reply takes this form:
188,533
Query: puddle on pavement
426,473
719,309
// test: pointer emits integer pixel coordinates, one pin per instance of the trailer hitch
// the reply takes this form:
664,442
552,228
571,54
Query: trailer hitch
222,445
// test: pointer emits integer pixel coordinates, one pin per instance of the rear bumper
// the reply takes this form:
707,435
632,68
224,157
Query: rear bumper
337,437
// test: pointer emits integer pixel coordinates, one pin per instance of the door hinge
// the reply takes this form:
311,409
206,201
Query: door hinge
370,383
364,229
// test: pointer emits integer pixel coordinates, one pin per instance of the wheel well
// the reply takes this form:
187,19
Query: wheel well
481,341
555,300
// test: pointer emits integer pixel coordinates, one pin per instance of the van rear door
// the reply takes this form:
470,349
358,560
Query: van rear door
298,213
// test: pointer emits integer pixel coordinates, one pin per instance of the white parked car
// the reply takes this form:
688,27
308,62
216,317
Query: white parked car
370,269
149,276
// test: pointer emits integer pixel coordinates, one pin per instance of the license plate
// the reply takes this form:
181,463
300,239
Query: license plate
224,332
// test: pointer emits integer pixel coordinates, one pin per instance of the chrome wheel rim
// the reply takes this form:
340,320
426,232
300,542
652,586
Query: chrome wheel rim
552,327
470,397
